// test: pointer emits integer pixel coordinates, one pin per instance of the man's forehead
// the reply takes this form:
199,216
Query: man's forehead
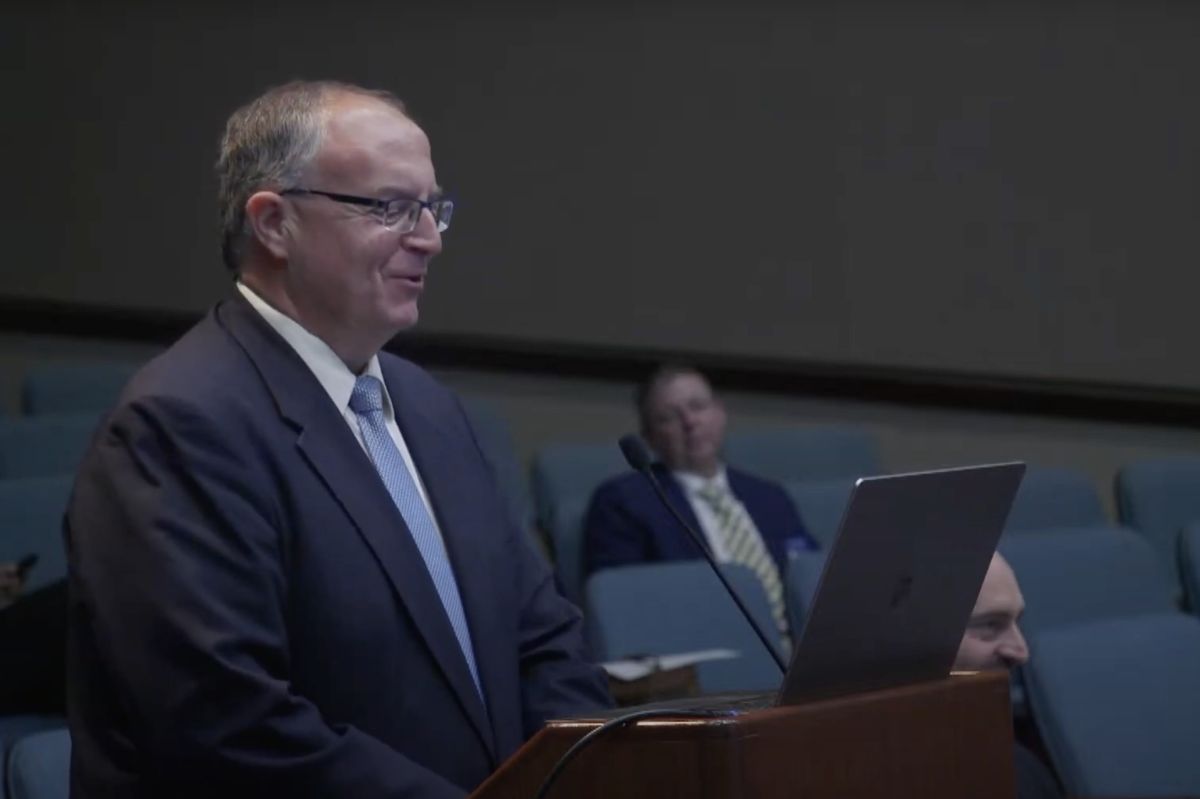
350,107
368,140
373,128
999,594
682,384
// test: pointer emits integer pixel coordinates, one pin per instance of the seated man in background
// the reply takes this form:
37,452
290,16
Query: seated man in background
744,519
993,640
11,582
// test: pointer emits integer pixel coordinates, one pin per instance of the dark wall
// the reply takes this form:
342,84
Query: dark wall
996,188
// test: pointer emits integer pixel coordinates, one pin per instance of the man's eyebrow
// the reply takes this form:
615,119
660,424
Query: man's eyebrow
992,615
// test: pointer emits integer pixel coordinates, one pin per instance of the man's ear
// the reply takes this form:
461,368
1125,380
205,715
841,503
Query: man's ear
266,214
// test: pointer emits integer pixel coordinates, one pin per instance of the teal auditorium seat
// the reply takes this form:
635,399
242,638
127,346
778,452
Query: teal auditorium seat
821,504
671,608
74,387
1118,704
13,729
562,471
43,446
1075,575
31,512
565,533
1051,497
801,578
1189,565
1158,498
496,441
790,454
39,766
564,477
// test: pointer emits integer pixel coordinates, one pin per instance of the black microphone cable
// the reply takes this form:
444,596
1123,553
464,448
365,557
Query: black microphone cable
638,457
617,723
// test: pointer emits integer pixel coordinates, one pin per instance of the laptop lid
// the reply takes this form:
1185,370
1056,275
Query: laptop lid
900,580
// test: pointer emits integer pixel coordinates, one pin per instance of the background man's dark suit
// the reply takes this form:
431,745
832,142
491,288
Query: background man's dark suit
626,524
250,615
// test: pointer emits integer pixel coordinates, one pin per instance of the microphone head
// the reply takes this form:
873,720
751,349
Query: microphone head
637,455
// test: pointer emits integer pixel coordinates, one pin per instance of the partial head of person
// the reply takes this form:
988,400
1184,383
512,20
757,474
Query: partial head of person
682,419
993,639
331,211
10,583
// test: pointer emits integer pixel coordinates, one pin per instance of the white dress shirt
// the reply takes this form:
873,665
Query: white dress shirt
692,485
337,380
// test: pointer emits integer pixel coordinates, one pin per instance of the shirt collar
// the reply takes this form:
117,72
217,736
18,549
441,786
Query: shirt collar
694,483
330,370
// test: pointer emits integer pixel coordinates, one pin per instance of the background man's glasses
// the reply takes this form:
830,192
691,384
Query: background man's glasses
400,214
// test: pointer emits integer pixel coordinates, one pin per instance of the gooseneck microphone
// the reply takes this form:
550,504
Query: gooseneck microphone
638,457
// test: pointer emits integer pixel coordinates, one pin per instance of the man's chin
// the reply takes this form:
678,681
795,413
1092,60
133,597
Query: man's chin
402,318
703,457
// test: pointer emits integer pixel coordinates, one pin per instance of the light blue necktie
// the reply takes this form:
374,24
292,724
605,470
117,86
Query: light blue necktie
367,403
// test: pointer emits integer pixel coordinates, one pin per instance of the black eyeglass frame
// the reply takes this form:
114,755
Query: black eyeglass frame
441,208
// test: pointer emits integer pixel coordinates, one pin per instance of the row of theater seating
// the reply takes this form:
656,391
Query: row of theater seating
1113,683
1159,500
1094,719
817,466
1082,575
1068,574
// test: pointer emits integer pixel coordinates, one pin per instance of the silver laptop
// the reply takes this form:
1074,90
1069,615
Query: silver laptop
900,580
896,591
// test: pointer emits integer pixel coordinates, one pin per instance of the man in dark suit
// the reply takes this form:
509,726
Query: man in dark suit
291,573
744,518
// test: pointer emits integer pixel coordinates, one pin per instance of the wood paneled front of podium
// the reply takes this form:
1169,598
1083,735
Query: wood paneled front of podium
950,739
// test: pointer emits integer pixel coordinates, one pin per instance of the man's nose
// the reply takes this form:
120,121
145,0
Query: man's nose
1013,648
425,237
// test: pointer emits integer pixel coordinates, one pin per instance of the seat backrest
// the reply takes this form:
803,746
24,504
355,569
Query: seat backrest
1158,498
15,727
567,472
801,579
496,441
1055,497
1118,704
789,454
74,387
821,504
31,513
43,446
39,766
1189,565
565,531
676,607
1075,575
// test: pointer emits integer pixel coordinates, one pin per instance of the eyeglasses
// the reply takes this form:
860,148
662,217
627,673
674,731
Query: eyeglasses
400,214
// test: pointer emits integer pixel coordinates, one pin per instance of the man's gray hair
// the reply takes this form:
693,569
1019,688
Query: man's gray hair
267,145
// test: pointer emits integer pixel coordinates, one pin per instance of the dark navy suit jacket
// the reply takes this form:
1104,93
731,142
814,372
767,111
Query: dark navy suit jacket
249,615
626,524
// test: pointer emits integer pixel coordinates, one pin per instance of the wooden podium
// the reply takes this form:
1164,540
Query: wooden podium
950,739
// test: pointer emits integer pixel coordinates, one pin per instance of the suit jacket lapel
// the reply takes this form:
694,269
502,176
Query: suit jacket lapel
466,527
331,450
